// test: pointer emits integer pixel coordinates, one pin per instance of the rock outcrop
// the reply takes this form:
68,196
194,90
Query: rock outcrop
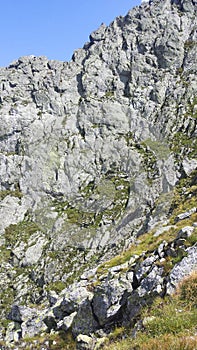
91,152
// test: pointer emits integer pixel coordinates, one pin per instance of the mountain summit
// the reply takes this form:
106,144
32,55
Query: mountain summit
95,153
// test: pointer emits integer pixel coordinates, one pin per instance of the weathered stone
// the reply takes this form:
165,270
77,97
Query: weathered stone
11,211
110,297
84,322
98,34
171,251
185,232
72,298
161,249
151,284
145,267
182,269
12,335
34,253
21,313
185,215
85,343
162,230
88,275
66,323
189,165
33,327
27,321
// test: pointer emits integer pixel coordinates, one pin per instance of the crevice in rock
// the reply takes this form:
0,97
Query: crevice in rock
80,84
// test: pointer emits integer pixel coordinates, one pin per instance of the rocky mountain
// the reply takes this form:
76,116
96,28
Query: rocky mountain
98,158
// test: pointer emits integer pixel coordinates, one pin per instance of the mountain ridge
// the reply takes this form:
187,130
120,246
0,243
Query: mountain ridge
92,152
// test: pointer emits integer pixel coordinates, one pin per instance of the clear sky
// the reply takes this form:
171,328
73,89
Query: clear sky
53,28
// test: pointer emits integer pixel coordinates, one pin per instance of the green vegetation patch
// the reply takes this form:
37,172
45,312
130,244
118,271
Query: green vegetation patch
79,217
189,44
169,323
149,160
21,231
121,194
192,108
109,198
57,286
109,94
147,243
160,149
184,145
56,341
16,193
185,194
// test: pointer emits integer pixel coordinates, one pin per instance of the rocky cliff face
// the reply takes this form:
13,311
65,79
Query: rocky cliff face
91,152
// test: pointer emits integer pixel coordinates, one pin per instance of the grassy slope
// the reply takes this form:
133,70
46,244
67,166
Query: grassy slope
170,323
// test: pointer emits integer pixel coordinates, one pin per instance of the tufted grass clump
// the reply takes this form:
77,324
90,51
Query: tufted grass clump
171,318
57,286
187,290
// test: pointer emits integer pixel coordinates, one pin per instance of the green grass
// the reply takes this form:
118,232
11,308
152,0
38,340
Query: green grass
169,323
183,145
109,94
165,342
189,44
56,286
147,243
56,341
192,111
21,231
161,149
16,193
149,162
185,196
113,188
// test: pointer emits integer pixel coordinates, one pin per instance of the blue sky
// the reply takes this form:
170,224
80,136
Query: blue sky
53,28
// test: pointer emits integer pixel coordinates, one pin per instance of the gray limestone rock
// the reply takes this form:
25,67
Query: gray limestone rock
185,232
110,297
189,165
187,265
153,283
34,252
84,322
70,300
186,214
66,323
90,153
85,343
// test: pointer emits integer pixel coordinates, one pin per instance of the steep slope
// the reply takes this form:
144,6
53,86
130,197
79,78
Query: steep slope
91,151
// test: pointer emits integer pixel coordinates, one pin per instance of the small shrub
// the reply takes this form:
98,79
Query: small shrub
187,290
